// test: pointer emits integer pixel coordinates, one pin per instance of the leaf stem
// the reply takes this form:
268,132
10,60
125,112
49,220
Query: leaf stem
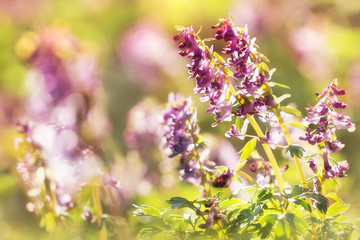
99,213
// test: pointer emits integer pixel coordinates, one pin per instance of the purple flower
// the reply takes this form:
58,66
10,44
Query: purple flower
181,133
143,128
323,122
61,105
147,55
212,74
312,165
209,80
223,180
334,171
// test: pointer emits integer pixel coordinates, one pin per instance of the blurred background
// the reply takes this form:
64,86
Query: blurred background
124,50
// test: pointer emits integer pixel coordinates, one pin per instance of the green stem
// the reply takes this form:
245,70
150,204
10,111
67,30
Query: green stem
99,213
287,136
269,154
204,179
290,142
247,177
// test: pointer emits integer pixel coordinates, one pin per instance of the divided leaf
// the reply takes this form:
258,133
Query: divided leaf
295,150
179,202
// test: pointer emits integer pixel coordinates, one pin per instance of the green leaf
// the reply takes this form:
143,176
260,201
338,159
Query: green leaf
267,222
264,195
298,190
85,195
179,202
303,203
290,110
247,149
297,222
246,215
295,150
282,98
337,208
322,202
282,230
334,196
297,125
149,210
238,123
232,203
145,210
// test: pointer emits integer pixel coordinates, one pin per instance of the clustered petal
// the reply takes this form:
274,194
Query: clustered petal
323,121
181,132
210,81
213,75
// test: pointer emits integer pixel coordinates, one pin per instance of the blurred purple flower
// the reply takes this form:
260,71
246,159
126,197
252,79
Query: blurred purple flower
147,53
64,92
143,130
181,134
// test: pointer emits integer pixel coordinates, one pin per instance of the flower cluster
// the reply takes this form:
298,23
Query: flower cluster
323,121
210,81
59,112
213,74
181,133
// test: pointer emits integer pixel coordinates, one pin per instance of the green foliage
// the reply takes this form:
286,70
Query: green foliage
247,150
290,110
295,150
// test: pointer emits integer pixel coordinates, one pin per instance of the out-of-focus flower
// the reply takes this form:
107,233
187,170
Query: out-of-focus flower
143,134
64,91
22,11
264,16
143,130
309,43
181,134
354,76
147,53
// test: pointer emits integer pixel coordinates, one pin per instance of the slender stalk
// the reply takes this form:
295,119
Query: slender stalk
204,179
99,213
247,177
290,142
269,154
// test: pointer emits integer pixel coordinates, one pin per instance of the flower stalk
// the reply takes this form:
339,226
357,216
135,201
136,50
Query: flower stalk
99,213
